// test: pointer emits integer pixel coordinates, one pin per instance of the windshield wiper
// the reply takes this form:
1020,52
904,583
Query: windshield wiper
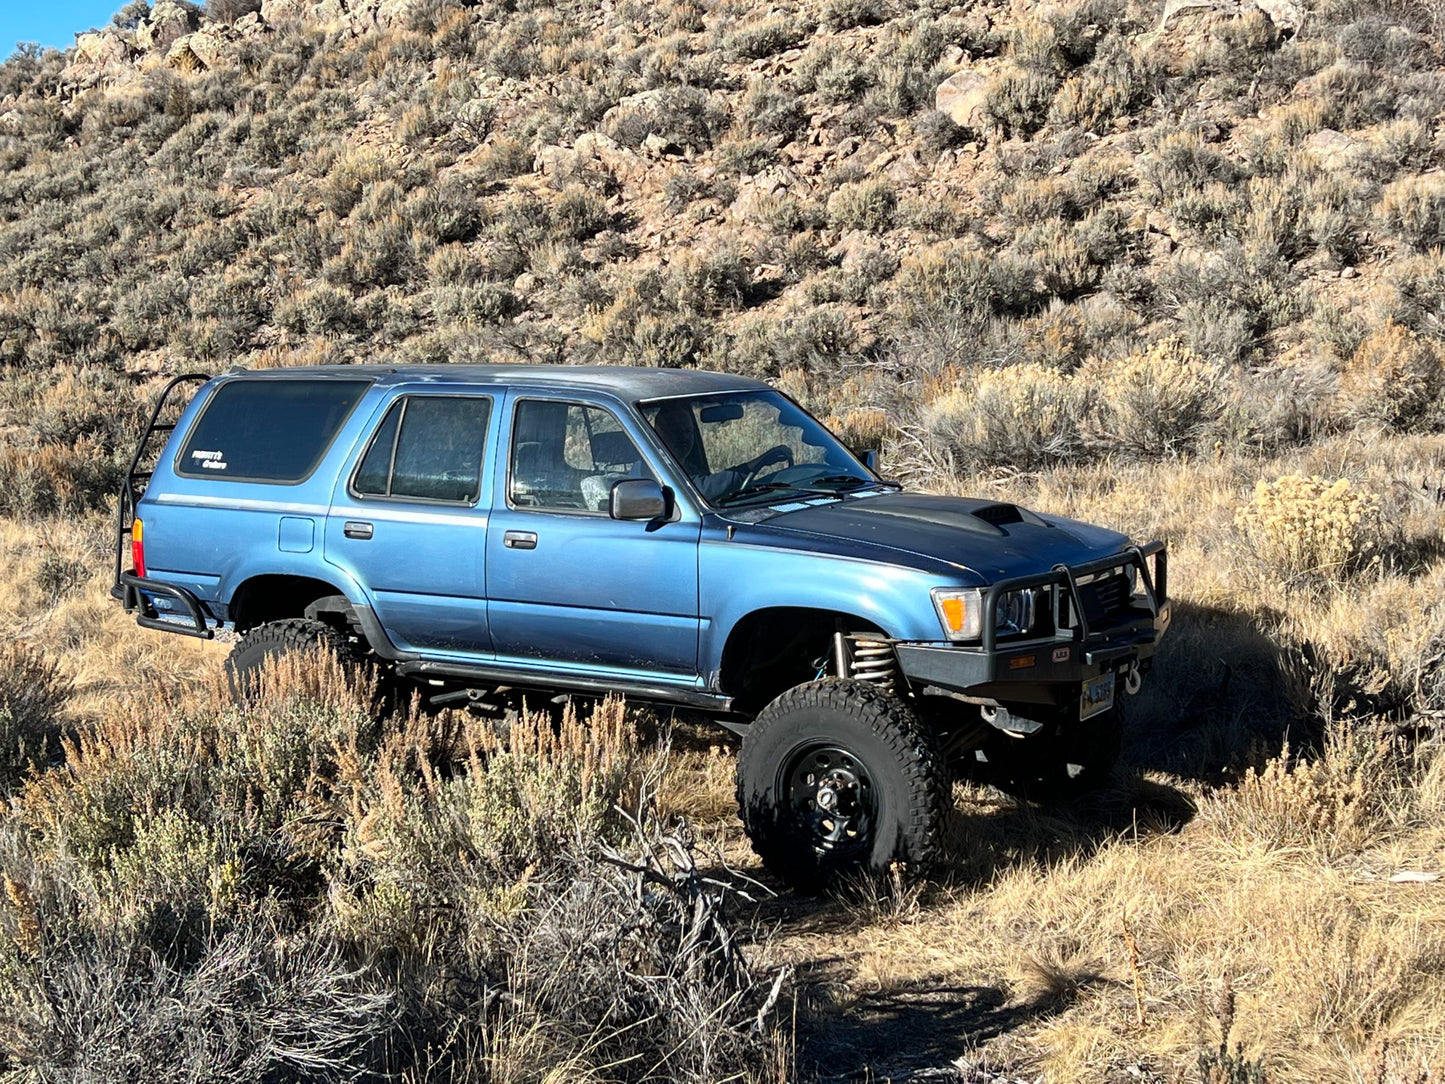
856,482
770,487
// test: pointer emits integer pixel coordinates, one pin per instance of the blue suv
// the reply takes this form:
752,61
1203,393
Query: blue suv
685,538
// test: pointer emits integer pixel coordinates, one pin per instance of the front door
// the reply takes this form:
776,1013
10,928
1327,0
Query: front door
568,584
409,522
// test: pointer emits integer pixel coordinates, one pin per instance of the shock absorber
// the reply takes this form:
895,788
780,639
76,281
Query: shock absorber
866,658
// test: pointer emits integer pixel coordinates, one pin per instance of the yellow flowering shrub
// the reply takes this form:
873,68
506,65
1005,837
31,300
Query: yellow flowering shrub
1300,527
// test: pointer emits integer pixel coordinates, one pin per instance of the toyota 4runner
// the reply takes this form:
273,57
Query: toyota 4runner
684,538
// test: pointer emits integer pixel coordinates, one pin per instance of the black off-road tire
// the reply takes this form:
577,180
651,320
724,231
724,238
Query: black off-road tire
871,733
1066,761
274,639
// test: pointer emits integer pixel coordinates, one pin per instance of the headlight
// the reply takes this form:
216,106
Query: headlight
1015,612
961,612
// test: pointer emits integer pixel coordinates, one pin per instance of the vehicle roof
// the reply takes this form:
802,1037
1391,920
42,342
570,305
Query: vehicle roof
625,381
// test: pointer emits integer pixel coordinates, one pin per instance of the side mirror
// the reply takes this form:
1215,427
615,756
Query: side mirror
869,456
637,498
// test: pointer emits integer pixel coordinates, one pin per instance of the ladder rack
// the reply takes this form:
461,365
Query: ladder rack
133,486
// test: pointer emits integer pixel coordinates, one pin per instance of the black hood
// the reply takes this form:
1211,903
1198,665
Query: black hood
991,539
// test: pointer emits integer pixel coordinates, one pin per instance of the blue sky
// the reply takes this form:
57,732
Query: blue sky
51,22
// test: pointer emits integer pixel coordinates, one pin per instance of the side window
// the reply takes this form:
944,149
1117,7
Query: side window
268,429
428,447
566,456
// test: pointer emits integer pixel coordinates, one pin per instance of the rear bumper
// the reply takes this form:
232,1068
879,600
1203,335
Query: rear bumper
1050,669
164,606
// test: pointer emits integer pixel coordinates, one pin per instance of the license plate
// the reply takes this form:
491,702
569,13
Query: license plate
1098,695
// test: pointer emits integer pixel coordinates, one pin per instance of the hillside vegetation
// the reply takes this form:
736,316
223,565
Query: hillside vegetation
1176,268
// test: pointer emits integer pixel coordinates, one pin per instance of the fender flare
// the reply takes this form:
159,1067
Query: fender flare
363,617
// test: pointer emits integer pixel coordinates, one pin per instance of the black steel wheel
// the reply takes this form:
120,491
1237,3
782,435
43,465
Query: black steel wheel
831,793
838,776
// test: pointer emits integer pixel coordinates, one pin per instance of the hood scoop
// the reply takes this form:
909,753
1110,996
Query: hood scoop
999,514
957,513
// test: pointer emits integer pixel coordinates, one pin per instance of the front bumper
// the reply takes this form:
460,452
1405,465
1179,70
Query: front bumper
1049,670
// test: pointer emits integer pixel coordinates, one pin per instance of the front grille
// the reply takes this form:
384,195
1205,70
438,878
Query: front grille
1105,598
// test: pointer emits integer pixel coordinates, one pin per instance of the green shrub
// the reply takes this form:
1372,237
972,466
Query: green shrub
681,115
767,111
937,133
49,479
1413,210
249,1006
822,340
502,159
709,282
1181,161
379,253
765,38
32,694
843,79
289,889
322,309
1117,80
1161,402
846,14
472,305
579,214
1333,219
1017,101
740,157
863,205
349,177
1025,416
446,212
1217,328
951,279
684,187
1061,261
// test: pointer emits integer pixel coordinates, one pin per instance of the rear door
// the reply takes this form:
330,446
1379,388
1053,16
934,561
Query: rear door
408,519
566,582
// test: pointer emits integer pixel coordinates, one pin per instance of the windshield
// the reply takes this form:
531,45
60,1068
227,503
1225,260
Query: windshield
746,446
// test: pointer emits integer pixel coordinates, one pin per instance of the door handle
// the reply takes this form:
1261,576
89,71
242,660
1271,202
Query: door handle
356,529
520,540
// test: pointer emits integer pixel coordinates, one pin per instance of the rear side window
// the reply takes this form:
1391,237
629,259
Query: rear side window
428,447
268,430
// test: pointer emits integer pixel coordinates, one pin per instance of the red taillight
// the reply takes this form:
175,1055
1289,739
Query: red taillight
137,549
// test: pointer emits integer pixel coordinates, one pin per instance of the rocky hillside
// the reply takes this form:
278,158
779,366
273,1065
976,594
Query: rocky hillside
987,234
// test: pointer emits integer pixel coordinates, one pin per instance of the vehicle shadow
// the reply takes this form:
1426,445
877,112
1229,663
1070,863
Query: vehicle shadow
899,1035
1222,696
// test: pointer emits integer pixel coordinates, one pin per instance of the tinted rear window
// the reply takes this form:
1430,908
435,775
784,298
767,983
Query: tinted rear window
438,455
268,430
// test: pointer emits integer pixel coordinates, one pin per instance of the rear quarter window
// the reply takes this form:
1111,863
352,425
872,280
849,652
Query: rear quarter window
268,430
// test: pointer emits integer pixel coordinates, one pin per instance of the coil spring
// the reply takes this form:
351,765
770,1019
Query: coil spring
873,661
